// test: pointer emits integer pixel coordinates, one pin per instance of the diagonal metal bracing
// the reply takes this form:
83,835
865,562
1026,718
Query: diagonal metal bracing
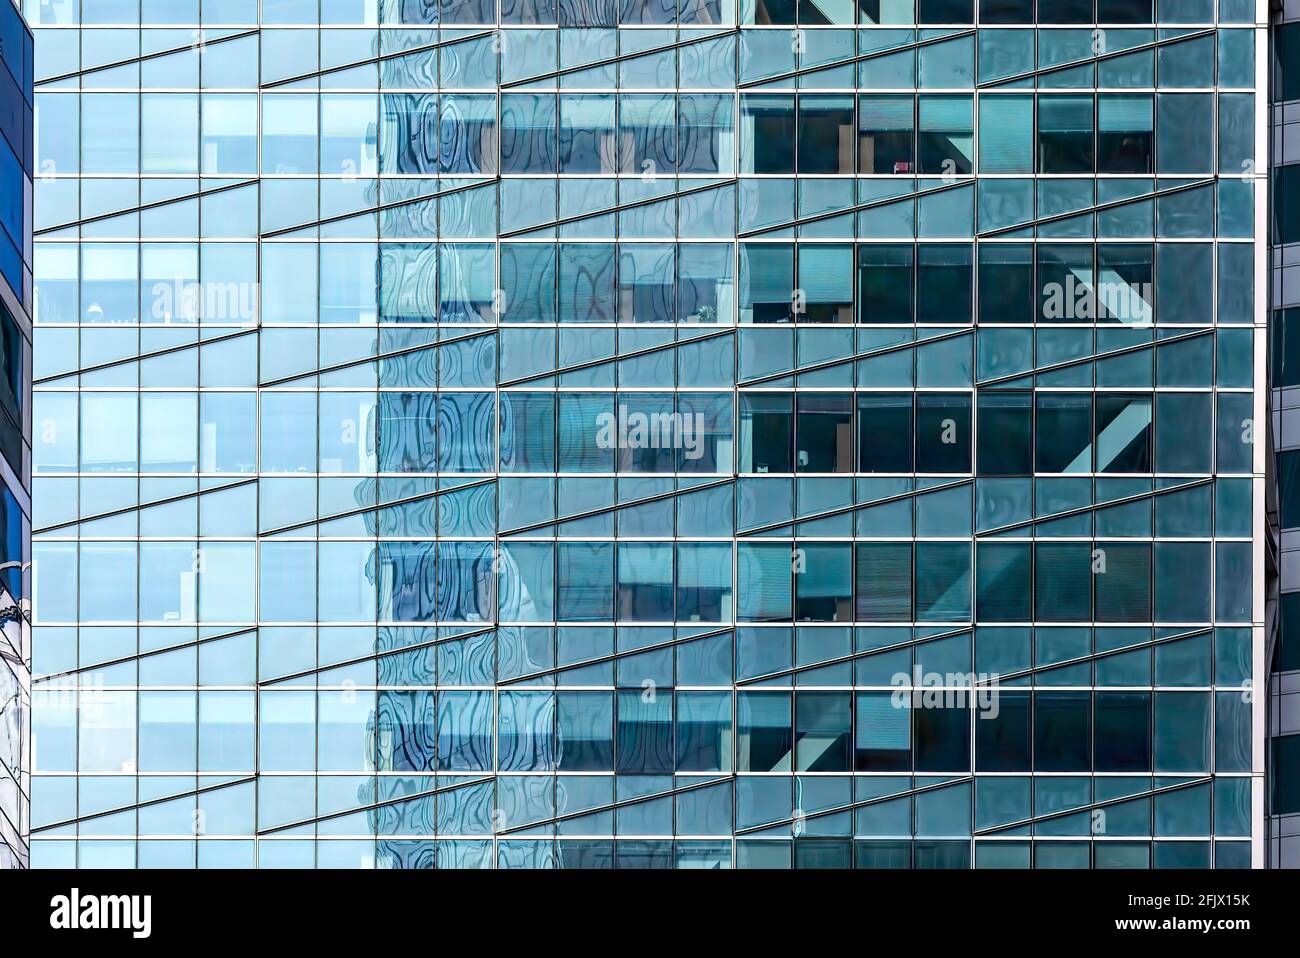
122,660
979,533
1080,510
1093,806
192,45
619,58
977,683
692,786
846,509
960,780
632,354
377,507
203,790
711,184
966,180
380,654
1099,57
125,510
952,334
861,803
969,180
864,354
151,205
152,354
382,803
618,655
1092,357
601,510
487,179
1101,207
381,57
392,354
856,58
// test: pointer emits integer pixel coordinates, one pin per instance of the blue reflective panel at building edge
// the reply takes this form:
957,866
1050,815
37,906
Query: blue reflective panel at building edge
649,434
16,131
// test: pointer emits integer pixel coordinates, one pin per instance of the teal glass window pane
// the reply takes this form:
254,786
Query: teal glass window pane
944,139
1122,738
1182,583
943,584
1062,581
764,573
882,732
764,736
703,732
1065,134
1006,145
1182,731
1184,132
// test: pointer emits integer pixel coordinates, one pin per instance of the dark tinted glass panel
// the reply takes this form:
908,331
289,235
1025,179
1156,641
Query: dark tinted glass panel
1065,11
1064,431
882,854
885,432
1062,731
943,284
1006,283
885,284
943,432
1063,581
1005,430
1003,581
1006,11
1002,740
945,11
766,432
824,432
1124,11
884,581
943,738
1123,732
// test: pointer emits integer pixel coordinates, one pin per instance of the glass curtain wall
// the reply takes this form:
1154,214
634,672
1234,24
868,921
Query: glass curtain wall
649,434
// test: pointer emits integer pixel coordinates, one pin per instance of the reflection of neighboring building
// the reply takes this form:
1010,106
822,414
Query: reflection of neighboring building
16,127
1283,716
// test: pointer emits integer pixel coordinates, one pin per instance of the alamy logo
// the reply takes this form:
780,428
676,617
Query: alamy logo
76,911
1127,302
947,690
189,301
655,430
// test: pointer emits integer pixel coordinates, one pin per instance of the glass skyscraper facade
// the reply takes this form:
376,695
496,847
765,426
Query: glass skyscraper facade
1284,600
650,434
16,127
